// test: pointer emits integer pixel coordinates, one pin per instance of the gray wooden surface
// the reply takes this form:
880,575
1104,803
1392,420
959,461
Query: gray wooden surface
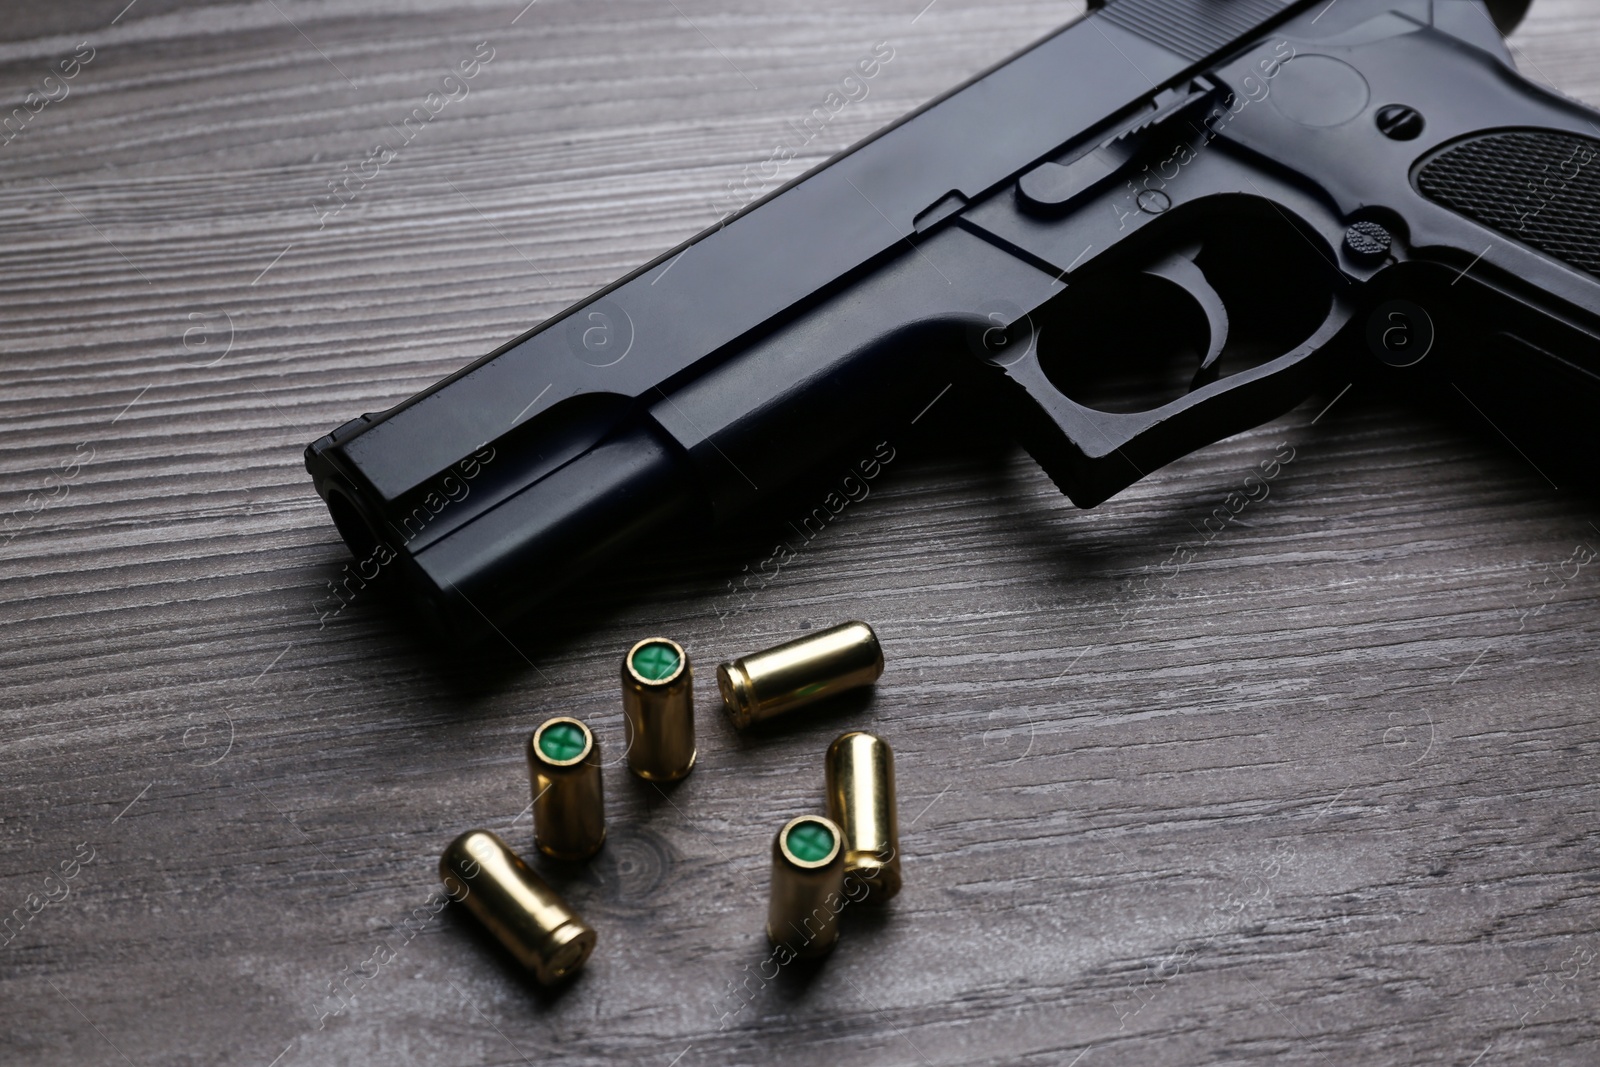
1321,790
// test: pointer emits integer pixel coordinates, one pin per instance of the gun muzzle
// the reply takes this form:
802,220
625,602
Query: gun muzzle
496,533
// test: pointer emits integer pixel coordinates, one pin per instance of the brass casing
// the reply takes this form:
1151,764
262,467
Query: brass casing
861,800
569,814
800,915
798,673
523,913
658,717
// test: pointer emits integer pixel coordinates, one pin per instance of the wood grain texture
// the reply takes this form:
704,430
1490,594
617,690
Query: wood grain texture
1324,792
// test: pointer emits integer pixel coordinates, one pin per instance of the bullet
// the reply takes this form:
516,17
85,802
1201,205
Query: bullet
860,773
779,680
523,913
658,710
569,817
807,886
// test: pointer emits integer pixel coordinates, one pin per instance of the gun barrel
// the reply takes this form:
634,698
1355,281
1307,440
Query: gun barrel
532,465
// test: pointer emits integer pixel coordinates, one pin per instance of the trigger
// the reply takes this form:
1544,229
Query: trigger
1180,269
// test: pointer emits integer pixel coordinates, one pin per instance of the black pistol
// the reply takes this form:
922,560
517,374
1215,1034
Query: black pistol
1222,202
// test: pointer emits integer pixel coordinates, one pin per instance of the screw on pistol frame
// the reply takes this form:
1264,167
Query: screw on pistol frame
1367,242
1399,122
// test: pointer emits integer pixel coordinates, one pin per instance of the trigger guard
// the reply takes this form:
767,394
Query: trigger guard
1091,455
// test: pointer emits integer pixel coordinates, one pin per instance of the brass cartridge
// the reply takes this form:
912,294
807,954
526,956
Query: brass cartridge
807,886
800,672
860,775
658,710
569,817
523,913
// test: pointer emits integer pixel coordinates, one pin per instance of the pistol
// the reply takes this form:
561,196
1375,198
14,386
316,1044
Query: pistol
1167,222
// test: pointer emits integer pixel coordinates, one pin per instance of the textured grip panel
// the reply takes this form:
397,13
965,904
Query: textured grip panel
1193,29
1539,187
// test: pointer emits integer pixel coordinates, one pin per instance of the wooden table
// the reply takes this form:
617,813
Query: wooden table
1325,792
